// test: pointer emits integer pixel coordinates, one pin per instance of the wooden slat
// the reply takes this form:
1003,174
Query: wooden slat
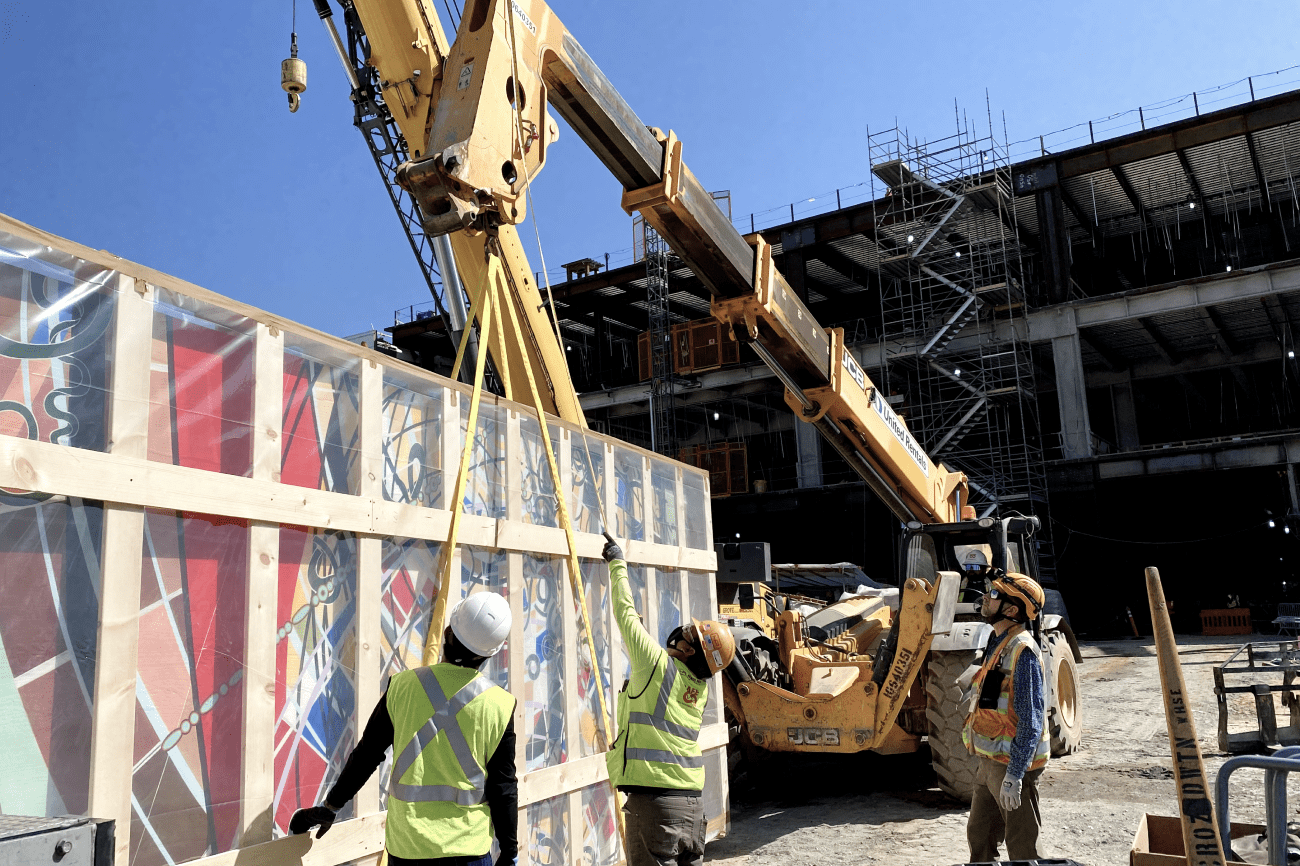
515,580
570,776
268,402
30,465
112,744
372,431
369,570
257,783
346,841
369,645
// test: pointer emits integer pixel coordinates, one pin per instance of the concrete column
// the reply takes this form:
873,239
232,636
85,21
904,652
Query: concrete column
1126,432
808,444
1076,432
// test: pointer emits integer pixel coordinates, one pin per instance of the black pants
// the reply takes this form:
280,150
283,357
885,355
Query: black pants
665,829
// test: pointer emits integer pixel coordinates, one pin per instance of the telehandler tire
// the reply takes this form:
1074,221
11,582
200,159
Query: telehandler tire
953,765
1065,710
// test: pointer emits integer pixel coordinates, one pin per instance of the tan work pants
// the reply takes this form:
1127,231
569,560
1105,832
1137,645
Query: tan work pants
989,824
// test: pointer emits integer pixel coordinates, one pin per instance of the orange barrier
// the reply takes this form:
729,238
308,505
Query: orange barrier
1229,620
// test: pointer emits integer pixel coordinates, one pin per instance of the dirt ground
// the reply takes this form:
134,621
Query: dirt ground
872,809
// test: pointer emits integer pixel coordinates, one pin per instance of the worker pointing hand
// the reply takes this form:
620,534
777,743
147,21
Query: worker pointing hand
612,551
656,760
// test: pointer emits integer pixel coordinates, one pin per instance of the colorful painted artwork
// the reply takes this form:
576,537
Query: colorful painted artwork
50,582
586,501
540,505
315,664
410,587
547,843
600,839
413,413
201,386
484,570
595,584
321,429
486,483
56,315
185,789
629,498
545,744
187,724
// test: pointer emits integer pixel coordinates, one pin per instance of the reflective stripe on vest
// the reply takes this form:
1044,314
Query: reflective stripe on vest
989,732
652,749
659,718
443,719
690,762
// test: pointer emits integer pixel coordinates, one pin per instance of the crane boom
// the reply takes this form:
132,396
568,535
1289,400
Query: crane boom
481,134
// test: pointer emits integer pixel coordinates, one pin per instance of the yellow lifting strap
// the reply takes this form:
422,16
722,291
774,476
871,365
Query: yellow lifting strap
491,310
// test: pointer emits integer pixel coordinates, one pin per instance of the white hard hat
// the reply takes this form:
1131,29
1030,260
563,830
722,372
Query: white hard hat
482,623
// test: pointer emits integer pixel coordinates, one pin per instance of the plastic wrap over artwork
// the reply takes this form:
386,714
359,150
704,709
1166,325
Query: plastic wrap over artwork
412,424
50,584
189,688
547,842
321,417
201,386
544,687
315,662
241,541
56,336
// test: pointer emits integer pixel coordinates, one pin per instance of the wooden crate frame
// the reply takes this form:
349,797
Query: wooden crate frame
127,483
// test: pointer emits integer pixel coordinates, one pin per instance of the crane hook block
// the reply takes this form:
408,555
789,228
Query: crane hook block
293,78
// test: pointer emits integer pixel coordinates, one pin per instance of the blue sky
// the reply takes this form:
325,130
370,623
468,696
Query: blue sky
158,130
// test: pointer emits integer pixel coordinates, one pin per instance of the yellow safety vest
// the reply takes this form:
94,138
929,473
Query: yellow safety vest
447,722
989,732
659,727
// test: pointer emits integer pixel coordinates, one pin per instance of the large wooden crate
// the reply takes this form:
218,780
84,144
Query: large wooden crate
219,533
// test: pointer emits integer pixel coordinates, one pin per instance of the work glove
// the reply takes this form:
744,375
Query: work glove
612,551
1009,795
504,859
313,816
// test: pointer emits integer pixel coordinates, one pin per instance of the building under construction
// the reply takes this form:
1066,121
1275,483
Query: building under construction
1101,335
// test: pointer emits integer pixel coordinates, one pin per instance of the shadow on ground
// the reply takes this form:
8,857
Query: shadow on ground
855,789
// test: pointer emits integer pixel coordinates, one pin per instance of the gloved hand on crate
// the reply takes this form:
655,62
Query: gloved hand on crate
313,816
612,551
1009,794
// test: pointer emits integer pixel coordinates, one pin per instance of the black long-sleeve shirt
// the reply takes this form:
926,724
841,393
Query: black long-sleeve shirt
501,789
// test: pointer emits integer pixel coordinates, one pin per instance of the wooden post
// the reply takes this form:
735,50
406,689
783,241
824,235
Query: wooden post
112,738
1200,828
370,572
257,783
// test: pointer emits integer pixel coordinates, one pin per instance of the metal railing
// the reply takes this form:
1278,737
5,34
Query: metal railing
1276,767
1192,104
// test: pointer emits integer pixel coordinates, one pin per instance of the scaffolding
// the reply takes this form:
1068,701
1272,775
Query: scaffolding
663,438
957,359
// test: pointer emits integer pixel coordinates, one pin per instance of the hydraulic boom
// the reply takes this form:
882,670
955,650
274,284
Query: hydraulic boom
475,115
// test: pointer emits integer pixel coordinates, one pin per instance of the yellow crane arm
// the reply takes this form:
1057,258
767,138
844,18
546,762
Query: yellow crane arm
488,138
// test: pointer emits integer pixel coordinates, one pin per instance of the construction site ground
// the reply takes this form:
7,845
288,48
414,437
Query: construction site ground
874,809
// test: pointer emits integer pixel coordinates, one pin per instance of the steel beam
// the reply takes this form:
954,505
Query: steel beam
1259,171
1167,350
1170,138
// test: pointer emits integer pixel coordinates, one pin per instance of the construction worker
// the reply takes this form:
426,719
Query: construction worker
656,761
1005,727
453,783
